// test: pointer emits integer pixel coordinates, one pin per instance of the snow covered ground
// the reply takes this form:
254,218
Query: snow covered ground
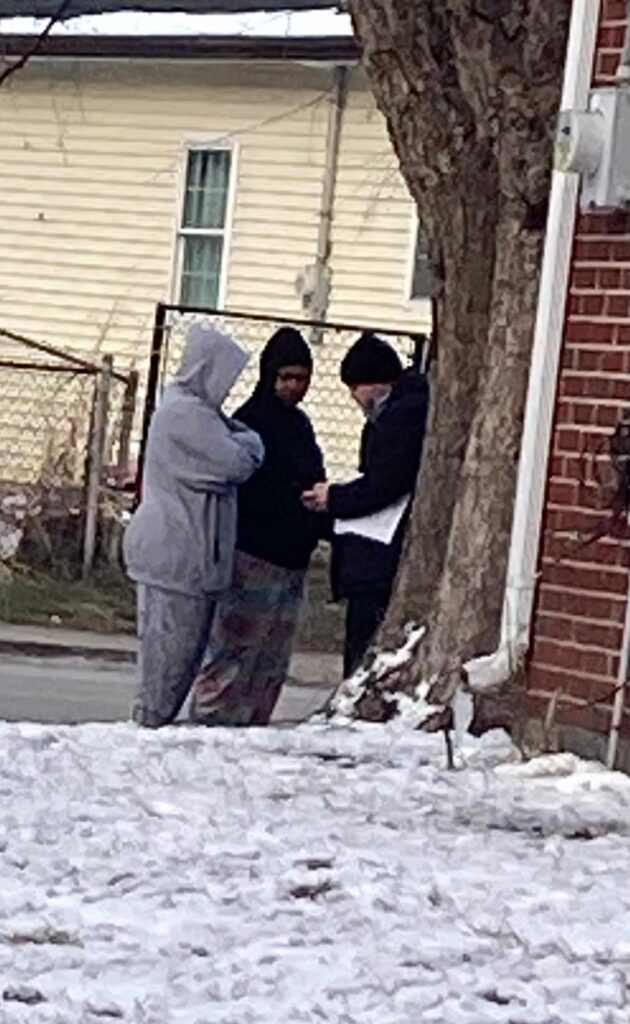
321,875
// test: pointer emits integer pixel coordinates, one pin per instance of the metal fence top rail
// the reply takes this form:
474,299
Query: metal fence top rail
330,325
23,364
76,362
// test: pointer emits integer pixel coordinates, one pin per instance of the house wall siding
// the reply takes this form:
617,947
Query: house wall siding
583,577
374,225
89,194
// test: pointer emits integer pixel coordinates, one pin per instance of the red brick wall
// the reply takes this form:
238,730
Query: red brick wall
582,588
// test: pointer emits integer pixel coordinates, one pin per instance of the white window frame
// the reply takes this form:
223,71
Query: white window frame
410,299
226,232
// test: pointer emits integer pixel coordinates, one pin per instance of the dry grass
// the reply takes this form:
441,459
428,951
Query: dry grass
104,605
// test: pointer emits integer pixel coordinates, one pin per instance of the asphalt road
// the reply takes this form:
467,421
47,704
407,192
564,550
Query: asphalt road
73,690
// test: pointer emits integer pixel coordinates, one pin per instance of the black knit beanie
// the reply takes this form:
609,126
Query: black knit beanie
370,361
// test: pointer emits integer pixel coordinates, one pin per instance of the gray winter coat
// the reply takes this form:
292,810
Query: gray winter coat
182,536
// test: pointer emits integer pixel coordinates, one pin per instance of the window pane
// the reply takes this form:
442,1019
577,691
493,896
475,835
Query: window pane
207,184
201,272
422,280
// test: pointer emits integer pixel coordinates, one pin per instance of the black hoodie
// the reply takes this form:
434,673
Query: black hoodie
273,525
391,448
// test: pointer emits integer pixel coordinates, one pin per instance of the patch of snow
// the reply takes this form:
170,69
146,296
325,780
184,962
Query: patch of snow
351,690
463,710
322,875
275,24
388,661
412,711
489,671
552,764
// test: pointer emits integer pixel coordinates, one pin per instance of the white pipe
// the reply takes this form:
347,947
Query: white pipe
548,336
620,695
623,77
537,426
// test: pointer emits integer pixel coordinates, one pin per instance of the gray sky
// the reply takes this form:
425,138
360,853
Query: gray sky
315,23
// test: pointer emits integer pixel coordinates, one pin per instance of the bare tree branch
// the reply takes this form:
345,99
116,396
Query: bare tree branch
59,15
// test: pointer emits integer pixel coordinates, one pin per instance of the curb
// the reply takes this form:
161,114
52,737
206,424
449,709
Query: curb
125,654
49,649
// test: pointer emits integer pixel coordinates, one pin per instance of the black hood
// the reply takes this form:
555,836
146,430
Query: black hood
286,347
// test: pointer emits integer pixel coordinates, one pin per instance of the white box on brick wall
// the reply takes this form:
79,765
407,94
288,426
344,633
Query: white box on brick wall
596,144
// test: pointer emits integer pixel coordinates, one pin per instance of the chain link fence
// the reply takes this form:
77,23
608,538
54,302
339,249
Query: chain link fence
336,419
65,426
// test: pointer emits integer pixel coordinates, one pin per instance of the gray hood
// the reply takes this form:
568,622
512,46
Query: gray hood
211,364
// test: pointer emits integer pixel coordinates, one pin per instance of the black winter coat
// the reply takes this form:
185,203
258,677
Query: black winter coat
391,448
273,525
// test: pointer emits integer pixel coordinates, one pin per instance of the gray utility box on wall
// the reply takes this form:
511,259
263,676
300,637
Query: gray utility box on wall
596,144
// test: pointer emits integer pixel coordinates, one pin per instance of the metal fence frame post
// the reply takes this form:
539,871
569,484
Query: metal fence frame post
152,386
102,389
126,425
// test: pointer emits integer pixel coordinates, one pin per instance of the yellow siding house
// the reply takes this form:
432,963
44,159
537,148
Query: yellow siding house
253,175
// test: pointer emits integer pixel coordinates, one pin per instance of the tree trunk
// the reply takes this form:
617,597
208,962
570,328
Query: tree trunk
470,92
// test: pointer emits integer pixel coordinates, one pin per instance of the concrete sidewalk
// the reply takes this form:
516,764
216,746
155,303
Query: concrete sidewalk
55,641
307,668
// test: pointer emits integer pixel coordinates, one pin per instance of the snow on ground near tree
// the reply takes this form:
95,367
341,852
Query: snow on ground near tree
318,875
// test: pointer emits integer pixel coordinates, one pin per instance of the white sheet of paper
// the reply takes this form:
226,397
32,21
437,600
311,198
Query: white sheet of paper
380,526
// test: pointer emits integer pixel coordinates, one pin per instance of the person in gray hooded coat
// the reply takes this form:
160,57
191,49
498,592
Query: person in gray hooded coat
179,546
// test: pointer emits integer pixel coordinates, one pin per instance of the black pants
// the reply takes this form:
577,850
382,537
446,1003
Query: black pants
365,613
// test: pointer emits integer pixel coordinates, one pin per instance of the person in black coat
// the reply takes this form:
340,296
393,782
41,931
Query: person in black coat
395,404
273,524
254,629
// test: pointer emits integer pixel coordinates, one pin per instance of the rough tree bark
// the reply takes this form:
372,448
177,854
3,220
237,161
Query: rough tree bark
470,90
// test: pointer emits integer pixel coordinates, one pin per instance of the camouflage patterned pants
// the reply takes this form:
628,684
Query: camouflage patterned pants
251,645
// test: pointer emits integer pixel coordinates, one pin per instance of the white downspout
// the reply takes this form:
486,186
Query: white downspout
482,673
620,695
623,78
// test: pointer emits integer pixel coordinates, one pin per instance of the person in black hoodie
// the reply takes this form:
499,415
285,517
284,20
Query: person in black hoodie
254,629
395,404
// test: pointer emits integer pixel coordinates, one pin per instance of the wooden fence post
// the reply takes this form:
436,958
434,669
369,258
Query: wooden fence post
98,438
